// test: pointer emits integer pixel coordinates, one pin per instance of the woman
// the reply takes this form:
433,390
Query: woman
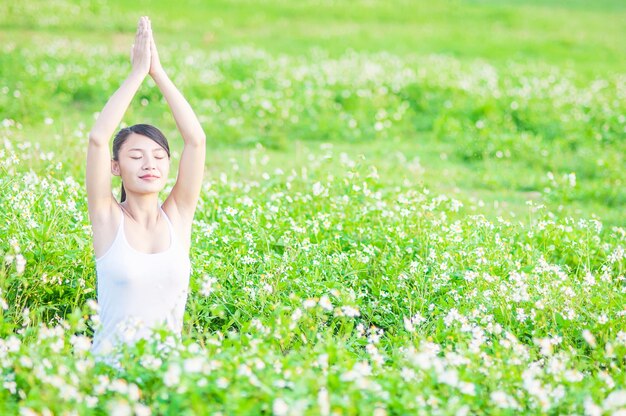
141,247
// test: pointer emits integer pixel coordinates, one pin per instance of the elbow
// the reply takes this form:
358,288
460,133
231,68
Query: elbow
97,139
198,139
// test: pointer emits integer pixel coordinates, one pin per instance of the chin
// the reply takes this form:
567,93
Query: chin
147,189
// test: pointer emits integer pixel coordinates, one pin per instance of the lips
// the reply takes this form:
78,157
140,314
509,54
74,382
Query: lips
149,177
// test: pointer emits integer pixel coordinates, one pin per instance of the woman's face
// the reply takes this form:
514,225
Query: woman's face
142,164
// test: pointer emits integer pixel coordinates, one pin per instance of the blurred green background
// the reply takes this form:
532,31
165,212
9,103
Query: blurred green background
494,101
586,36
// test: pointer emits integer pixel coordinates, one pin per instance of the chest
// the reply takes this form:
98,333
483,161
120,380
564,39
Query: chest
130,272
153,241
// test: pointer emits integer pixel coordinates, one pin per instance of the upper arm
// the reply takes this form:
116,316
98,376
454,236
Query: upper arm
98,179
186,190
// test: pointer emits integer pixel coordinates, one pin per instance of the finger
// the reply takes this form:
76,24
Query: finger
139,29
142,35
150,32
145,34
146,40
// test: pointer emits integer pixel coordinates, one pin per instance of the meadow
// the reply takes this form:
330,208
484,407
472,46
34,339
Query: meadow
408,207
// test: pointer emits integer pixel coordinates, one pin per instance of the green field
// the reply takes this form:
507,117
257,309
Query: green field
409,207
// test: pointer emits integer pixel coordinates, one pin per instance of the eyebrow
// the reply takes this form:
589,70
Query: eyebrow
154,150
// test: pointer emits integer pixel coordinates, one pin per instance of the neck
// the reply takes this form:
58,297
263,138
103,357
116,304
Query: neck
144,209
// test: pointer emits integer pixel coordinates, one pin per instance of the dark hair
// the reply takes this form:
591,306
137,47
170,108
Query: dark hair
147,130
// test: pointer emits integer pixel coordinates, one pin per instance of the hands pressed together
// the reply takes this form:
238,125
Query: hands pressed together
144,56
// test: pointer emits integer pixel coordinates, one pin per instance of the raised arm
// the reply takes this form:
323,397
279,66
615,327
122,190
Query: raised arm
186,190
98,174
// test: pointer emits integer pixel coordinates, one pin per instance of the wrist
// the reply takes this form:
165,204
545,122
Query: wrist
157,73
136,74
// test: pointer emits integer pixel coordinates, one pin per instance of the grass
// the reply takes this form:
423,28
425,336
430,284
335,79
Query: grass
408,207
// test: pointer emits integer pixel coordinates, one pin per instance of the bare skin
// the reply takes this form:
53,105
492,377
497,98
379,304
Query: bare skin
143,165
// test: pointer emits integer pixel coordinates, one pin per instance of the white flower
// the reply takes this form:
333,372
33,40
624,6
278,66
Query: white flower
25,361
142,410
592,409
172,375
120,408
573,376
408,325
92,304
545,344
350,311
119,386
133,392
325,303
193,365
503,400
318,189
359,370
231,211
91,401
20,263
407,374
84,365
416,319
467,388
590,279
572,179
13,344
588,336
10,385
296,315
151,362
452,316
81,343
207,285
322,361
449,377
280,407
27,411
323,401
615,400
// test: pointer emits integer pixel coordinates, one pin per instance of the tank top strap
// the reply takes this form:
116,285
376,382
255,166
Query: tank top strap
121,212
169,224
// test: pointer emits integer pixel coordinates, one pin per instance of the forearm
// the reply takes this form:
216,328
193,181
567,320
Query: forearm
111,115
184,116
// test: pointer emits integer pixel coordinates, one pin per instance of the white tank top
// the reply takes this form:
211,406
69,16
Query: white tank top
137,291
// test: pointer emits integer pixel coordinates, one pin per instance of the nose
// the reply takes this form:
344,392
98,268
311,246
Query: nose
150,163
